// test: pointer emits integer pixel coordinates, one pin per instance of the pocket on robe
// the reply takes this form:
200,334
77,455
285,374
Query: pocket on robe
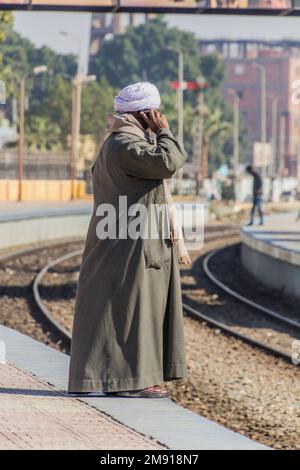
153,254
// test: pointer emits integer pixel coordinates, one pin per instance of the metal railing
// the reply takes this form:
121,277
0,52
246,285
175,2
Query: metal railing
40,165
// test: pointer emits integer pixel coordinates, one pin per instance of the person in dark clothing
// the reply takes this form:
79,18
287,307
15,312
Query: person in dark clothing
257,195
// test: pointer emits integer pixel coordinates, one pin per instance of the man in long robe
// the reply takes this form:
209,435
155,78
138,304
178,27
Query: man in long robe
128,324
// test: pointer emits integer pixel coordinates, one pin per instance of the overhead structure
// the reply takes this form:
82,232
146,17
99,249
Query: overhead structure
232,7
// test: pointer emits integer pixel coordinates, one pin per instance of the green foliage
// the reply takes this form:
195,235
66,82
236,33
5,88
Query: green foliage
51,100
48,117
48,94
41,133
97,98
5,23
213,70
141,54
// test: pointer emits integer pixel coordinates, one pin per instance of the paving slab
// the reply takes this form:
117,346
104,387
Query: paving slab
163,420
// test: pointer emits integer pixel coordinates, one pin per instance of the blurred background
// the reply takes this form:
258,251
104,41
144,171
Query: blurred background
228,84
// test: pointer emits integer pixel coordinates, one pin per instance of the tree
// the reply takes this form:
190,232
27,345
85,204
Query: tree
49,94
97,102
41,133
141,54
5,24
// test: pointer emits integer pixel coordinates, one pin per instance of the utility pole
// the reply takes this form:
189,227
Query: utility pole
282,148
180,96
274,135
180,90
198,141
76,109
180,112
77,83
35,71
21,138
263,114
272,171
236,118
199,149
73,154
236,113
236,131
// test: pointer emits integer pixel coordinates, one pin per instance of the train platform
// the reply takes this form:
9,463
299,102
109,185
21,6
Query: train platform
28,209
271,252
37,413
34,222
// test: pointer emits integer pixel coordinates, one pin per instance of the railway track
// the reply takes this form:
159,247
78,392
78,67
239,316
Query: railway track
225,375
196,313
259,308
255,307
215,233
24,268
18,308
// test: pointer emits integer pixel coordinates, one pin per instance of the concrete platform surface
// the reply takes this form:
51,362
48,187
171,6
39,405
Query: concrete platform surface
24,223
279,237
271,253
36,413
27,209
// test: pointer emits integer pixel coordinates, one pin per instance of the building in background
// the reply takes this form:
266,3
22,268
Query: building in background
281,62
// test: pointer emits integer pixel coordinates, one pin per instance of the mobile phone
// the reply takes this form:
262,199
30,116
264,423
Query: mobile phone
146,112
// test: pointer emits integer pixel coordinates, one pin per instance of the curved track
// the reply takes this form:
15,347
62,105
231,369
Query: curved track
19,254
215,233
63,332
260,308
272,314
195,313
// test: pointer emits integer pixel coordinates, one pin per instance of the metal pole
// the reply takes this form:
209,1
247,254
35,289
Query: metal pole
73,139
263,116
180,96
77,118
180,111
21,138
236,141
274,135
180,136
198,137
78,87
282,149
236,135
200,130
76,111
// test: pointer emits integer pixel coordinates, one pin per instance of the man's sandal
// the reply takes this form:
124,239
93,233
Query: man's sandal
150,392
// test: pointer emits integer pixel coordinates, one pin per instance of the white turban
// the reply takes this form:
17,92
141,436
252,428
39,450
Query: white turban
135,97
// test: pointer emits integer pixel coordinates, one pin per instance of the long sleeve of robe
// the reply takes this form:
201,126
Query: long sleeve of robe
128,321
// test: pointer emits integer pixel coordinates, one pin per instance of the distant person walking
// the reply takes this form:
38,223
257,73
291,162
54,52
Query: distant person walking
257,195
128,325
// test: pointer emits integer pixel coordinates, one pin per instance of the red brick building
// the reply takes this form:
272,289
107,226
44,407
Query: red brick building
281,62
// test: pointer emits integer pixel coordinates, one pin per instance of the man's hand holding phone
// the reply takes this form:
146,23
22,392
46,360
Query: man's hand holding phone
155,120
